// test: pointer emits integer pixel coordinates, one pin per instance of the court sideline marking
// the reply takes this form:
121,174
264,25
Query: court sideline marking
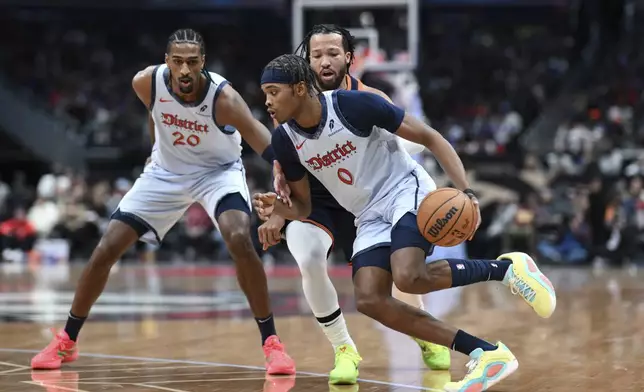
206,363
16,368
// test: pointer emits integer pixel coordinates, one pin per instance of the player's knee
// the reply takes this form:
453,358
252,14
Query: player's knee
237,239
408,280
369,305
312,261
106,254
116,240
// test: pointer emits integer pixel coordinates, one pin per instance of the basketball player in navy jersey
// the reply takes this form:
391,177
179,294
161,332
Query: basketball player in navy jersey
198,121
330,50
346,140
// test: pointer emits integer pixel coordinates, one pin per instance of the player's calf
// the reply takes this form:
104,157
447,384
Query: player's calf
235,230
116,240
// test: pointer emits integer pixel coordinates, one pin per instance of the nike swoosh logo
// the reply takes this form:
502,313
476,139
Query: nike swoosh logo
331,323
300,146
164,100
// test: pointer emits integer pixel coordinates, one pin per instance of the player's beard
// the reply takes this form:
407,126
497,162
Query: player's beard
332,84
186,88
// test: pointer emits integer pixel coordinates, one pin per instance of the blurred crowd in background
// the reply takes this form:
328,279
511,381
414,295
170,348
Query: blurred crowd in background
485,78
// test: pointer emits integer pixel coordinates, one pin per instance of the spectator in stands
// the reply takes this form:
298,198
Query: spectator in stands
5,192
17,237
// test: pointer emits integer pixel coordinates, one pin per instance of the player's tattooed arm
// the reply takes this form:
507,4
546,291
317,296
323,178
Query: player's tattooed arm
142,85
231,109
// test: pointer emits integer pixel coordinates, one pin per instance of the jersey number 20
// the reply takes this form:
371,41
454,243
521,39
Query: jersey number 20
192,140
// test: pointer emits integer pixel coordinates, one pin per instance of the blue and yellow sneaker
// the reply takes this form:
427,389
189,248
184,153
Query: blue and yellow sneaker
436,357
525,279
485,369
345,370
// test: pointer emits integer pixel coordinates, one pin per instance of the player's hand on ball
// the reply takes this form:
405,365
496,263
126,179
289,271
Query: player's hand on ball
264,203
280,185
475,202
270,232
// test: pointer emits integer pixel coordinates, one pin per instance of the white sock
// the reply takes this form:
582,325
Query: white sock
310,245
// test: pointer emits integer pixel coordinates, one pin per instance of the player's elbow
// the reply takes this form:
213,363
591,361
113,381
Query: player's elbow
434,140
411,147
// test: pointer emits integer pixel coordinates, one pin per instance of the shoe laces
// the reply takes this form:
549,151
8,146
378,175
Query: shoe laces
471,365
58,342
519,286
344,352
427,347
272,345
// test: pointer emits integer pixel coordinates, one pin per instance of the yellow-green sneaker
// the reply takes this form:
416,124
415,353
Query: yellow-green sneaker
435,356
345,370
435,380
485,369
525,279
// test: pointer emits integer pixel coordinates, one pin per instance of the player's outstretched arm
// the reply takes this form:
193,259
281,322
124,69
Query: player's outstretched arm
142,85
231,109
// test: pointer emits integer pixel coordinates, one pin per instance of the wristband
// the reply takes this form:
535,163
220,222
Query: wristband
470,193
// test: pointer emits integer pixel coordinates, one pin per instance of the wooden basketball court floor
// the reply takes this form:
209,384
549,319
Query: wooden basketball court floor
188,329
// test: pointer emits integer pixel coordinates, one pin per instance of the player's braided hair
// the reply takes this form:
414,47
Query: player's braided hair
297,69
186,36
348,41
189,36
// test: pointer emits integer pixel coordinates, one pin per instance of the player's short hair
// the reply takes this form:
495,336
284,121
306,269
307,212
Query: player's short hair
290,69
348,41
186,36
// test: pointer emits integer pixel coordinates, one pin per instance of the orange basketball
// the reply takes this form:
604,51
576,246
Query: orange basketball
446,217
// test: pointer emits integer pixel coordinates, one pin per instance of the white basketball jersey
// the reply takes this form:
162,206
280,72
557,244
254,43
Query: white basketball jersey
188,139
358,170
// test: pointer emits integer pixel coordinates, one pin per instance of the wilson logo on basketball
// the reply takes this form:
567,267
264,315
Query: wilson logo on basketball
173,120
435,229
339,153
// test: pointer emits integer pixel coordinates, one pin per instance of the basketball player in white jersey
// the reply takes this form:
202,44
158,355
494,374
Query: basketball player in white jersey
345,139
330,50
199,121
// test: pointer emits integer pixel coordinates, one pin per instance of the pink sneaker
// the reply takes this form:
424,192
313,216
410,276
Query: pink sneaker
61,349
277,360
